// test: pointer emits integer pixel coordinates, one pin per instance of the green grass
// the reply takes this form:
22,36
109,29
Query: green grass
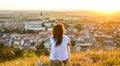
92,58
25,62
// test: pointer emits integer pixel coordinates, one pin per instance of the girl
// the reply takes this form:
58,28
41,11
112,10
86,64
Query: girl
60,47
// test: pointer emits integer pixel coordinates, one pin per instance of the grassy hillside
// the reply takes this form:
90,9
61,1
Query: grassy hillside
92,58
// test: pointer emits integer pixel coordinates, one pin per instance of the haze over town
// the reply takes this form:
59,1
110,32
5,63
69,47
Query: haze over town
91,25
99,5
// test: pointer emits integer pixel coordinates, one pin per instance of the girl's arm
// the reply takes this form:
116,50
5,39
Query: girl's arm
68,48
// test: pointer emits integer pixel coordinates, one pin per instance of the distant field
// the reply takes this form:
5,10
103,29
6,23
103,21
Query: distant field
84,15
92,58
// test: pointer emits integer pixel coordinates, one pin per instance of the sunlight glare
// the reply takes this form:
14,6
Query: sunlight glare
97,5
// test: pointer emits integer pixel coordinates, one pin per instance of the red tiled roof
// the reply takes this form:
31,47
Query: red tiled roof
46,18
34,20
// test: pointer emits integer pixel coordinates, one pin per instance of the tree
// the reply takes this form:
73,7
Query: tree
117,38
43,25
78,27
2,46
73,43
66,26
33,43
40,46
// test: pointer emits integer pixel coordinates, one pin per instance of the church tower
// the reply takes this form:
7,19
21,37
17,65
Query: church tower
41,15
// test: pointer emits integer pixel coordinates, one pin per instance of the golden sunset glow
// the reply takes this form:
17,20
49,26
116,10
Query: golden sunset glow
98,5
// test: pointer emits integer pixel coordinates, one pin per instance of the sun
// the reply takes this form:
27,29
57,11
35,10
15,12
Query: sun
107,6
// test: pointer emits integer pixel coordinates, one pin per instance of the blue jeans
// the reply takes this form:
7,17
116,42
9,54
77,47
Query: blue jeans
59,62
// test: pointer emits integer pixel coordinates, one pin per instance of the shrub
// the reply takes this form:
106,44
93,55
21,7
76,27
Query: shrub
18,52
39,53
40,46
6,53
73,43
29,53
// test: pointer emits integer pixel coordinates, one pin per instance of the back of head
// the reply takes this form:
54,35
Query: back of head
58,33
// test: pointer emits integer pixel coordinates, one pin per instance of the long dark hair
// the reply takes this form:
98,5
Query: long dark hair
58,32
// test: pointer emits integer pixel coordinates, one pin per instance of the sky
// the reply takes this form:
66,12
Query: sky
100,5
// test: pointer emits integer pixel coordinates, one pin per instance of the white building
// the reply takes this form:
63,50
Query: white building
46,19
50,29
47,44
34,24
47,24
72,29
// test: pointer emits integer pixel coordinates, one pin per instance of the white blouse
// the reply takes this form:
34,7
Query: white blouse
60,52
